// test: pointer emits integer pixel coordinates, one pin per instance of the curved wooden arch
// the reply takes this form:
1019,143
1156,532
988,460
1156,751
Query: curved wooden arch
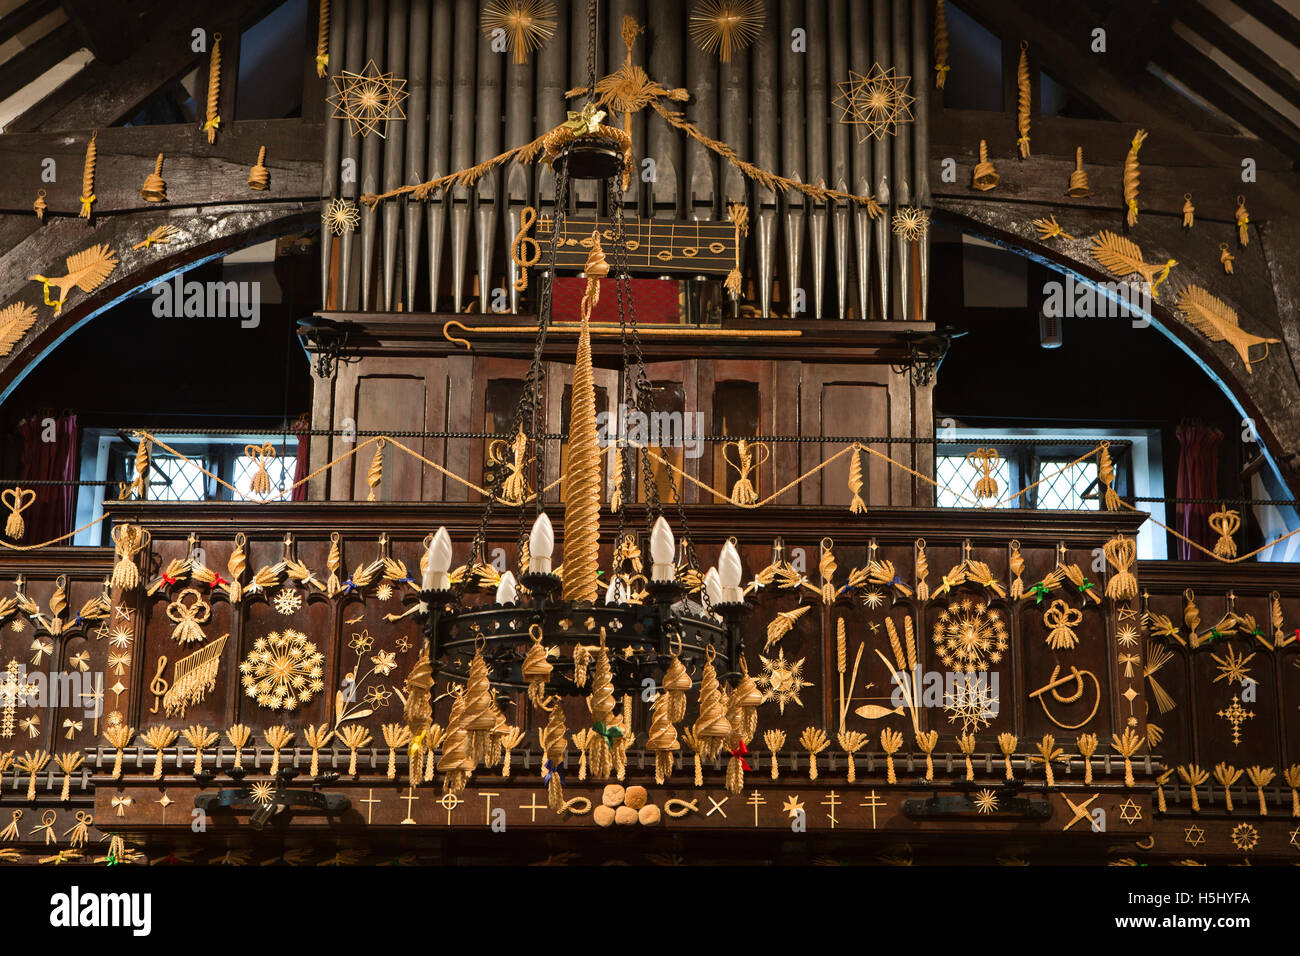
1268,395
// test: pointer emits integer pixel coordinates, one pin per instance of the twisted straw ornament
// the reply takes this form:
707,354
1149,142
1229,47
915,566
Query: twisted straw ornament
1022,99
1226,258
1106,475
1132,177
88,178
941,66
375,473
662,740
323,40
1189,211
1243,220
1078,187
1160,790
40,205
984,177
1016,565
154,189
922,571
259,177
739,214
213,113
857,506
554,742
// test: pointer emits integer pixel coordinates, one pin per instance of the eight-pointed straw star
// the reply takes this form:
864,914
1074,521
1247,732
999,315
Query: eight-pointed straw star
781,680
878,102
368,100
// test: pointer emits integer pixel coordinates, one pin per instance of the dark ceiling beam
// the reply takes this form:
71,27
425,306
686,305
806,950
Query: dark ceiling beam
1274,17
1249,57
1063,45
1137,31
17,20
110,29
102,95
28,64
1207,79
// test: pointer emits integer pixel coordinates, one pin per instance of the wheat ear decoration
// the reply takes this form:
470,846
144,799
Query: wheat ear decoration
118,738
966,744
775,740
941,66
316,738
1261,777
213,120
1160,790
926,741
159,738
1126,745
395,735
851,741
1292,777
1047,752
32,764
814,741
68,762
1132,178
1193,776
238,735
1087,747
354,737
277,737
200,738
323,40
891,741
88,178
1023,99
1227,776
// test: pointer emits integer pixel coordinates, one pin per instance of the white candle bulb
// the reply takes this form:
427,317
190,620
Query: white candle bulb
615,593
437,562
507,593
712,586
541,545
662,546
729,571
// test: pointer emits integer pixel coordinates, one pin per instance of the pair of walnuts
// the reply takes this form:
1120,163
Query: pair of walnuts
626,807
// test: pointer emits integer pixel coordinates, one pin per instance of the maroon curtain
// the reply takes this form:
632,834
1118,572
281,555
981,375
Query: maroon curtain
301,427
1198,477
50,454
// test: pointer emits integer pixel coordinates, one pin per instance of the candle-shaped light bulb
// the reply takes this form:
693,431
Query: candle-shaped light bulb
662,546
712,586
729,572
616,593
541,545
438,562
507,593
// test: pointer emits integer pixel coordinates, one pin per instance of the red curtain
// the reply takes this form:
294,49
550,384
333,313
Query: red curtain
1198,477
301,427
50,454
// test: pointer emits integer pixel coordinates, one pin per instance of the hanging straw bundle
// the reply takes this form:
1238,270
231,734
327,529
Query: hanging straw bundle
1132,178
213,112
1243,220
941,66
966,744
17,500
1121,553
814,741
1227,776
118,737
926,741
1193,776
159,738
1023,99
851,741
88,178
1087,747
1189,211
1126,745
774,740
1225,523
277,738
128,540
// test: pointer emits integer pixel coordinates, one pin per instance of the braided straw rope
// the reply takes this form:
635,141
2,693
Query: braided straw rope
1132,178
323,40
1023,99
213,111
88,178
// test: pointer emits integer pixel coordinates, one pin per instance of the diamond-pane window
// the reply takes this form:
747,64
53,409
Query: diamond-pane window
175,479
1063,485
280,470
956,477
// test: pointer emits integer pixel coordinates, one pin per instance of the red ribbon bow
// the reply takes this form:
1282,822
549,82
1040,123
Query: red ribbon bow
218,580
742,752
168,579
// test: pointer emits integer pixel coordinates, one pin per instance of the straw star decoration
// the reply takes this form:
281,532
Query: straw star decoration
368,100
877,101
781,680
